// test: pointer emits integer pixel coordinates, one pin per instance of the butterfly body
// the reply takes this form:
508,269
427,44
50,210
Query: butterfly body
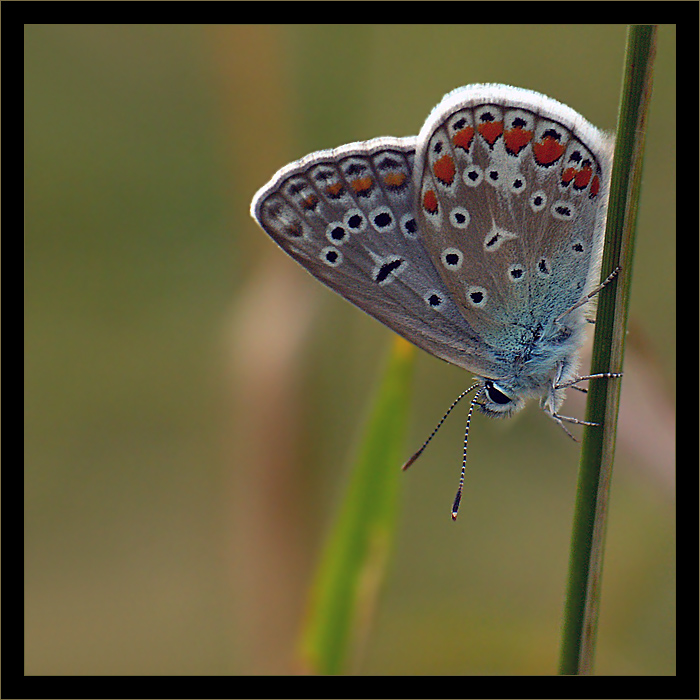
476,240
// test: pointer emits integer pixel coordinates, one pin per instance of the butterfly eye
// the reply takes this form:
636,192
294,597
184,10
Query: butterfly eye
496,395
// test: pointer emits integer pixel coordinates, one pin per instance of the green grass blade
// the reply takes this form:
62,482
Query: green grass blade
587,542
352,565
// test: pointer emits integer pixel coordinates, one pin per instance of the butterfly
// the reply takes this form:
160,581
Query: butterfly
479,240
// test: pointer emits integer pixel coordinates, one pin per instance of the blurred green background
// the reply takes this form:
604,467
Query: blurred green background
192,397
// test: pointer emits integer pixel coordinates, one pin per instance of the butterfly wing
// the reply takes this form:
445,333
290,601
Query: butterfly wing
511,194
347,216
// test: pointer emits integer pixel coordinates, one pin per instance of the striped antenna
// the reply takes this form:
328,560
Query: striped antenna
439,425
458,497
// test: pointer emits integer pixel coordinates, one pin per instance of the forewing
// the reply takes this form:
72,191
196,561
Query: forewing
348,217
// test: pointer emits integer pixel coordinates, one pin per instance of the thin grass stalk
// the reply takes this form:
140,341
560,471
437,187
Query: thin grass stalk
595,471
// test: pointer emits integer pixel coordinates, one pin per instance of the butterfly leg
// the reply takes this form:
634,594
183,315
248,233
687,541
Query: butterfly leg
572,383
588,297
601,375
560,421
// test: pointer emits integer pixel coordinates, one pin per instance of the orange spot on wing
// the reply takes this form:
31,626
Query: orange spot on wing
568,175
430,202
516,139
463,138
335,189
362,185
444,169
394,180
310,202
583,177
491,131
548,151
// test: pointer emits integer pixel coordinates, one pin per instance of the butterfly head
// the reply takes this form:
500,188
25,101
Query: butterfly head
497,400
502,399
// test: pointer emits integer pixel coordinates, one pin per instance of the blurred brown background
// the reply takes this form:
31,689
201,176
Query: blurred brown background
192,397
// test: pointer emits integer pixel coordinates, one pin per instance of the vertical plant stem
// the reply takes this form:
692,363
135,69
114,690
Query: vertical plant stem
588,536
